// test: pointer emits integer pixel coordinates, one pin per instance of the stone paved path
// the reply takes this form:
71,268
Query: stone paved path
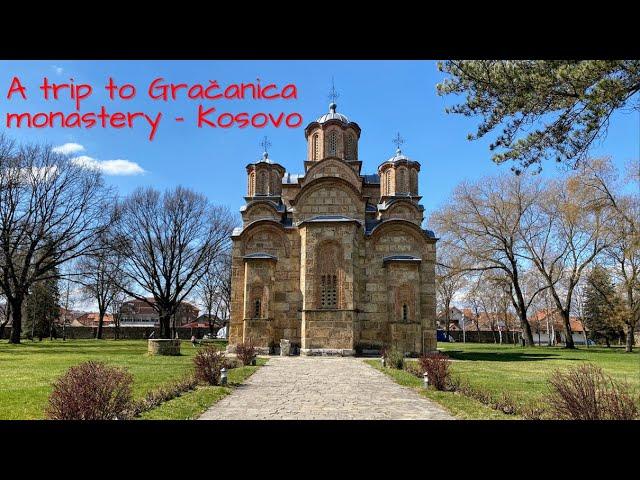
340,388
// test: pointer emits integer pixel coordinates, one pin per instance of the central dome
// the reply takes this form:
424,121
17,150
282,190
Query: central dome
332,115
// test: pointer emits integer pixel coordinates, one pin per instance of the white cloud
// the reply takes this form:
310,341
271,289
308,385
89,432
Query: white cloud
109,167
57,69
68,148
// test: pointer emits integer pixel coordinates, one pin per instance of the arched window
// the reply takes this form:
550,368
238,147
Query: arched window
414,182
388,183
350,147
250,184
405,302
329,275
316,147
257,302
401,181
262,183
332,144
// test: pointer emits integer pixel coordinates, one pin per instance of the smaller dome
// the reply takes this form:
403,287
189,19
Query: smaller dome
332,115
265,158
399,156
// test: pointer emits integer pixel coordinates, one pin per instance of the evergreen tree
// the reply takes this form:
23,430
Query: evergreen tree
602,306
42,309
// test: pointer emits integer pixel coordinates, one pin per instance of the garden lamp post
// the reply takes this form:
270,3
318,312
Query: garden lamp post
223,376
425,376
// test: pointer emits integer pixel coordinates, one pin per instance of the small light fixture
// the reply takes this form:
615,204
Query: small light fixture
425,376
223,376
383,360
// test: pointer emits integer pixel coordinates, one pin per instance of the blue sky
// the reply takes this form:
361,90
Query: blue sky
383,97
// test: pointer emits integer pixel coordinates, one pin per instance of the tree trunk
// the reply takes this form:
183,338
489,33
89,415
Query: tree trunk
100,324
16,320
526,330
568,342
165,325
210,322
629,345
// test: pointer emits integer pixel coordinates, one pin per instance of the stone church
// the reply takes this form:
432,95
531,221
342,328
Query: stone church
333,260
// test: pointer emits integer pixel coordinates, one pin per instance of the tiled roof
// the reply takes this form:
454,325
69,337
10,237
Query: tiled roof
371,179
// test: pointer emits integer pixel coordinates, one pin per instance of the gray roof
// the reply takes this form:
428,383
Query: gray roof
400,156
371,179
291,178
401,258
260,256
329,218
332,115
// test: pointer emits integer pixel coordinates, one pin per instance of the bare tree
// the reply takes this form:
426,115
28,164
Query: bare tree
449,282
214,289
101,276
623,253
51,212
564,233
115,307
167,241
481,225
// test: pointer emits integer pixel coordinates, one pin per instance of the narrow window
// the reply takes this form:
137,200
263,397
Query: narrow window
316,150
333,144
405,312
256,309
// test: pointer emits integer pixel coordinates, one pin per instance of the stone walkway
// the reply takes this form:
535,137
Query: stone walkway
336,388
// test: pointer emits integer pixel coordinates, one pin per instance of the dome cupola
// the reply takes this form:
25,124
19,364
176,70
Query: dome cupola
332,135
399,174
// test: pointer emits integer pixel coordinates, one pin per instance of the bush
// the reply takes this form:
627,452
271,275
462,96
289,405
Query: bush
587,393
91,391
163,394
246,352
436,366
208,364
394,359
413,368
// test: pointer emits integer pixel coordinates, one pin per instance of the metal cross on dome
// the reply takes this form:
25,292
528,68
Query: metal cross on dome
397,141
333,94
265,144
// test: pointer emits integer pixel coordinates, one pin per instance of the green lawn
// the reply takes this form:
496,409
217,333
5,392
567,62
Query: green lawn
458,405
192,404
521,373
28,370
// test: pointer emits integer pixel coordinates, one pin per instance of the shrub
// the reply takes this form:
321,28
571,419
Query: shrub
163,394
208,364
246,352
587,393
436,366
91,391
394,358
413,368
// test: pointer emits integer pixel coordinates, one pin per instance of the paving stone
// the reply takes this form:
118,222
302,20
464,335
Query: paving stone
303,388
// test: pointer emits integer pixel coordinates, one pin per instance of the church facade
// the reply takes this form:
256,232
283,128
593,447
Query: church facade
333,260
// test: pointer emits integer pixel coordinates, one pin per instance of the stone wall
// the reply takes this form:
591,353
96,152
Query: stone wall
126,333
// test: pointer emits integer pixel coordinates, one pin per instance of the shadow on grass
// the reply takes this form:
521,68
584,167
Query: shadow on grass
501,356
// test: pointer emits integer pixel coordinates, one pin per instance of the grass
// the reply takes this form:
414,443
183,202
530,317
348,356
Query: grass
193,404
458,405
523,372
519,372
28,370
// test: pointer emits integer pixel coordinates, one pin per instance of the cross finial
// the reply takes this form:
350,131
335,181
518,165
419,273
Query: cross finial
397,141
333,94
265,144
